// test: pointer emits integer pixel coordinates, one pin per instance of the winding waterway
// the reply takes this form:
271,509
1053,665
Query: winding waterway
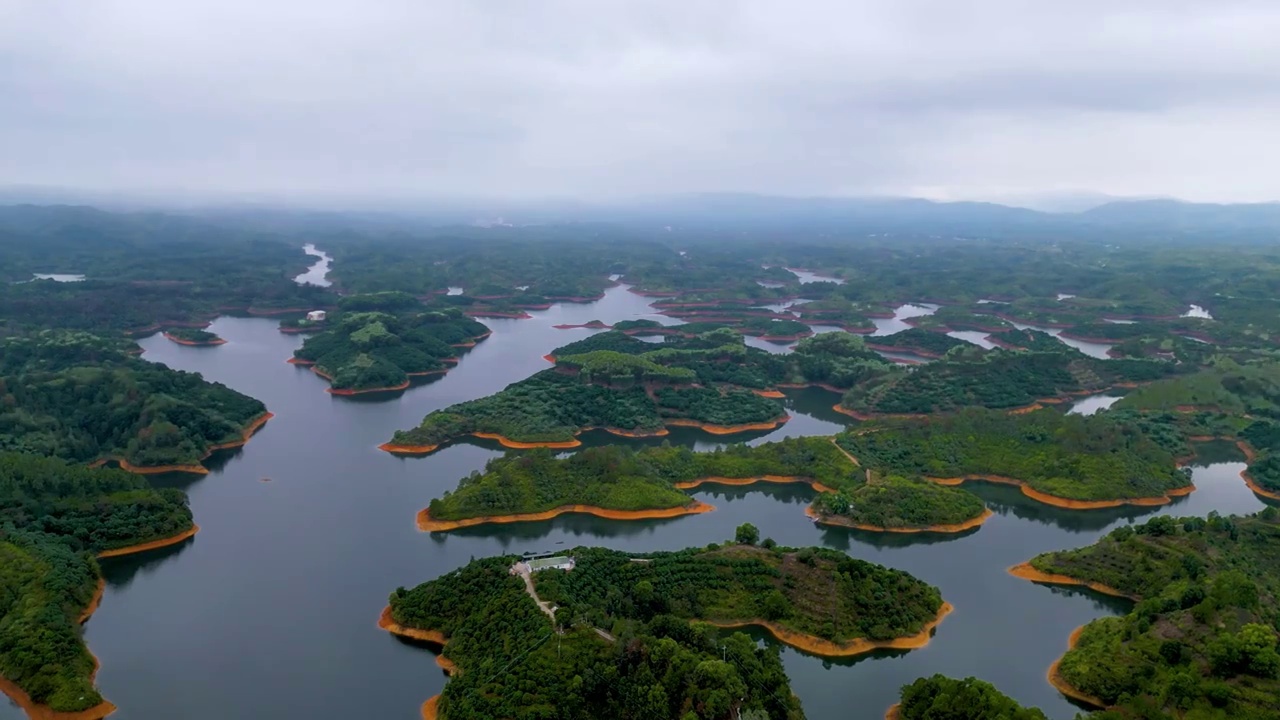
270,611
318,273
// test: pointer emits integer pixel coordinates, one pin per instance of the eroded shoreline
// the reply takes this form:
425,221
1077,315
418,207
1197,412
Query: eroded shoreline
1025,571
151,545
826,648
427,524
1066,503
1054,676
194,343
782,479
836,521
253,427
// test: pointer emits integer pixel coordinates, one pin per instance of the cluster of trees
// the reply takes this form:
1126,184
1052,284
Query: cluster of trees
1033,340
618,478
75,396
944,698
193,335
814,591
53,517
896,502
970,376
514,664
1201,642
1080,457
378,341
919,341
1250,388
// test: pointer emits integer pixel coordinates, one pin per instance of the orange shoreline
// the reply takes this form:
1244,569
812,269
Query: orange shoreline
248,432
1067,503
892,712
152,545
1249,456
1026,572
38,711
720,480
826,648
426,524
195,343
398,449
951,528
1060,683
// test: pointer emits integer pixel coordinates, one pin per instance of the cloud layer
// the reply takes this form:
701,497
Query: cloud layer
599,98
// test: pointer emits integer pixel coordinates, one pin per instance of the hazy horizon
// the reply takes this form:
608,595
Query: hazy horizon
999,101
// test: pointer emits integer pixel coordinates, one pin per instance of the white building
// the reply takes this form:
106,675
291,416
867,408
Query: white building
316,316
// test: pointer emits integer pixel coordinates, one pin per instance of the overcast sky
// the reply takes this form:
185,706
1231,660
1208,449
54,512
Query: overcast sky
937,98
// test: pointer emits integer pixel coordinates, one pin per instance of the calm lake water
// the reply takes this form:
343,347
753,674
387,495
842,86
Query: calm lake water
270,611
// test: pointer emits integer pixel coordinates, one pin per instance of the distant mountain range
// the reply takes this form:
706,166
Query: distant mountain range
735,213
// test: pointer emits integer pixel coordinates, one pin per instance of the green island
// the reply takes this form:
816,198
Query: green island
85,398
193,336
623,635
1201,639
1071,461
917,341
999,378
377,342
939,697
54,518
624,484
629,387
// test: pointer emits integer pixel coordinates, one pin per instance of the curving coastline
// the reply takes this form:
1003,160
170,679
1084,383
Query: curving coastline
247,433
947,528
195,343
37,711
427,524
435,637
151,545
726,429
517,445
1067,503
430,711
1026,572
826,648
774,394
1249,456
782,479
893,712
1060,683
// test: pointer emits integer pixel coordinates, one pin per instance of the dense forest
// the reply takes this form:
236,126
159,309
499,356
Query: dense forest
1202,641
611,380
1000,379
620,479
944,698
1077,457
53,517
514,663
192,336
76,396
627,648
377,341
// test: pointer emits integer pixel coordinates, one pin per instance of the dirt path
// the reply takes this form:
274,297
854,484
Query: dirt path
523,570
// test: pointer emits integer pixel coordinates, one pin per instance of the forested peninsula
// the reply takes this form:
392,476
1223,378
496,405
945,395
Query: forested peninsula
621,483
624,635
617,383
1201,641
939,697
377,342
54,518
89,399
1071,461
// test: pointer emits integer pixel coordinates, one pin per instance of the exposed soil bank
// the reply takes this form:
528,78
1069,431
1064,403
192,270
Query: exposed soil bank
864,416
408,449
248,432
1067,503
892,712
386,622
517,445
522,315
717,480
429,708
1249,456
826,648
726,429
156,469
426,524
1060,683
774,394
37,711
195,343
152,545
1026,572
952,528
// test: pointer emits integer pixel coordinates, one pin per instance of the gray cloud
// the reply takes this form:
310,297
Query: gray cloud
599,98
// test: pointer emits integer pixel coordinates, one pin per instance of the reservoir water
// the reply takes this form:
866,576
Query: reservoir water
318,273
270,611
